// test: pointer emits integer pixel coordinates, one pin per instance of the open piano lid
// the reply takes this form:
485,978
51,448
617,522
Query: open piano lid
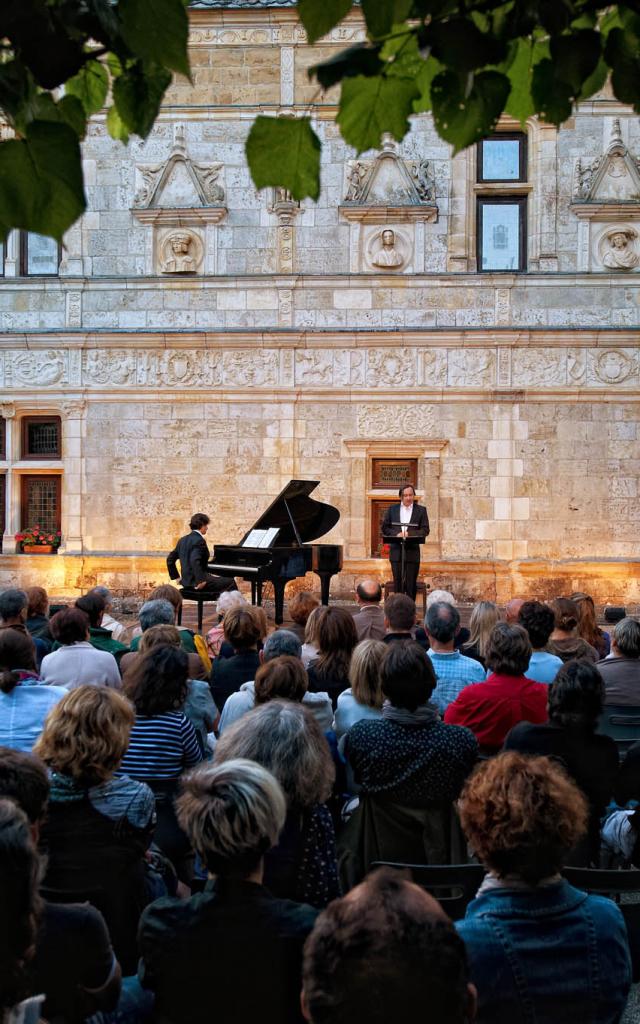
312,518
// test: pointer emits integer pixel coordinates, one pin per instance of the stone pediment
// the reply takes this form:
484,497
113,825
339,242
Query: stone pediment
611,179
179,184
388,186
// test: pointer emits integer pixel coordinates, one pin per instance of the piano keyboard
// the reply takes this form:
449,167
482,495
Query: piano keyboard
236,568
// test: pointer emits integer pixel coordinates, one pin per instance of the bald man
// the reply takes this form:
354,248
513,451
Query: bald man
369,619
512,611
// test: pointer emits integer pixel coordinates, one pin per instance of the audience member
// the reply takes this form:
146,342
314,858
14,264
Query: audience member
286,739
538,948
512,610
453,670
310,648
484,616
576,699
399,618
588,628
154,612
363,699
98,825
386,952
215,637
300,607
24,701
621,670
491,709
235,944
539,621
242,631
160,612
77,662
462,636
564,640
93,605
117,630
13,615
369,618
74,964
37,621
337,637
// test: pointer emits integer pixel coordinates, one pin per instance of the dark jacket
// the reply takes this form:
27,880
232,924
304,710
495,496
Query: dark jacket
419,526
228,675
193,554
621,680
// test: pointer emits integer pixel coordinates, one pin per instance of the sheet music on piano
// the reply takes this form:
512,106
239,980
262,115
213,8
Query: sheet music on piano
260,538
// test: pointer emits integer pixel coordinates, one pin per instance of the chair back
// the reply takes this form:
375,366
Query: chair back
622,723
452,885
624,888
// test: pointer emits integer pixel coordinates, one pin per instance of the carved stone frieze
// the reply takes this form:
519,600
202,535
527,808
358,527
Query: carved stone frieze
314,366
179,183
250,369
391,421
387,367
538,367
41,368
74,409
471,367
613,366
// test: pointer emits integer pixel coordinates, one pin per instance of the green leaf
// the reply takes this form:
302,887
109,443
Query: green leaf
381,15
320,16
401,52
461,46
68,110
595,81
575,57
285,152
41,180
371,106
520,103
157,31
361,59
91,86
431,67
116,126
622,55
552,96
466,108
17,88
137,94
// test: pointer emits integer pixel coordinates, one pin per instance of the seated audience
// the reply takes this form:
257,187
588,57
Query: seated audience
235,944
242,631
621,670
399,618
25,701
564,640
484,616
453,670
369,618
588,628
117,630
37,621
576,698
492,708
337,637
77,662
98,825
539,621
539,950
409,756
74,964
160,612
215,637
462,636
512,610
386,953
93,605
310,648
154,612
281,643
363,699
300,607
13,615
286,739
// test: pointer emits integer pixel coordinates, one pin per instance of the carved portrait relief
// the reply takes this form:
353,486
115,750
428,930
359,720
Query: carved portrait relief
180,252
617,248
387,250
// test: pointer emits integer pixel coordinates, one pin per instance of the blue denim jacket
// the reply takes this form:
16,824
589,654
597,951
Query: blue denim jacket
547,956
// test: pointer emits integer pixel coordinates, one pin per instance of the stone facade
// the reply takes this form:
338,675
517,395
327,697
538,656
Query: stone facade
204,343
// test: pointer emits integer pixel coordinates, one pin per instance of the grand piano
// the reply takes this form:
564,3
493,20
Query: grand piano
276,548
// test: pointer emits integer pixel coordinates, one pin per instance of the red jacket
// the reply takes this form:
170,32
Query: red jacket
492,708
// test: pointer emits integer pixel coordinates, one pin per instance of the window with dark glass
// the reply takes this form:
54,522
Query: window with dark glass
501,232
41,437
39,255
40,501
503,157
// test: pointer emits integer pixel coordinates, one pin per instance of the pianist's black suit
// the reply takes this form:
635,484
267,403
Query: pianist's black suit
419,527
193,554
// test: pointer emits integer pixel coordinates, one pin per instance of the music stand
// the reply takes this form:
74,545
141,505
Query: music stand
421,536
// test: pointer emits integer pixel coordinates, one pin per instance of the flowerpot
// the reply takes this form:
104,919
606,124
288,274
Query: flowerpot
38,549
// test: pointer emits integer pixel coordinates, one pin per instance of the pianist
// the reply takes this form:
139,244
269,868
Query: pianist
193,554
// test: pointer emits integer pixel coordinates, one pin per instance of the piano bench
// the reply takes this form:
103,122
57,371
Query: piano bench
421,588
201,597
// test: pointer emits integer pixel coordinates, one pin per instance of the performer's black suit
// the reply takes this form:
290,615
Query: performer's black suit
419,528
193,554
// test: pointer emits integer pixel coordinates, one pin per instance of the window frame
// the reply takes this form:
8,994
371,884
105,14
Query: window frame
24,257
25,455
520,137
24,481
503,200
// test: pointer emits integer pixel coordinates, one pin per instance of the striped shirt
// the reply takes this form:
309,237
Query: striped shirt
161,747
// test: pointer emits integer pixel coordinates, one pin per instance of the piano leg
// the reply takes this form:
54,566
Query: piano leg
325,582
278,594
253,591
259,591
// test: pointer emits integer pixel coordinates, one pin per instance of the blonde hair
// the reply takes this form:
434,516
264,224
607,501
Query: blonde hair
483,618
364,672
312,627
86,734
157,635
260,618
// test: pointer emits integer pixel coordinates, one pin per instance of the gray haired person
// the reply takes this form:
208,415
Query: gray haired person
621,670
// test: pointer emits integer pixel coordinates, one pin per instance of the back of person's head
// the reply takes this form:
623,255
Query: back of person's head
442,621
565,613
37,601
159,636
241,629
19,903
400,613
576,696
167,592
301,605
260,618
626,636
17,651
512,609
369,591
229,599
337,636
281,641
440,595
365,675
286,740
587,625
283,678
198,520
158,681
102,592
538,620
483,618
158,612
23,778
509,650
233,813
69,626
93,605
386,953
311,628
522,815
86,734
13,603
407,675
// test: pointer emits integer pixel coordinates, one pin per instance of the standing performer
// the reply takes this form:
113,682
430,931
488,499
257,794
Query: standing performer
408,520
193,554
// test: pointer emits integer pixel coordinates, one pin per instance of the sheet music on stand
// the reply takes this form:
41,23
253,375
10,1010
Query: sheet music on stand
261,538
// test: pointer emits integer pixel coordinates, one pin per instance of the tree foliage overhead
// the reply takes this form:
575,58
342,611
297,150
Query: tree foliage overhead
467,61
60,62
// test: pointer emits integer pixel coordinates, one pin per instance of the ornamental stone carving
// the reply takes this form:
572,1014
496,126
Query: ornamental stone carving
389,180
114,366
395,421
471,368
538,367
180,252
179,183
314,367
250,369
618,248
387,250
615,366
390,367
43,368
